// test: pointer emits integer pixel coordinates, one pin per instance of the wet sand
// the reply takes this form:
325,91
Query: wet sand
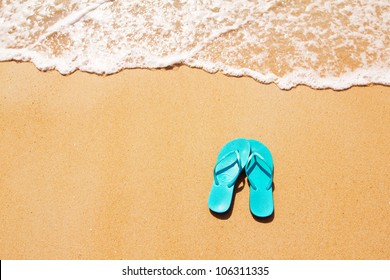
120,167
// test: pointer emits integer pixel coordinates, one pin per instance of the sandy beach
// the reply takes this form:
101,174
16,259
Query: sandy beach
120,167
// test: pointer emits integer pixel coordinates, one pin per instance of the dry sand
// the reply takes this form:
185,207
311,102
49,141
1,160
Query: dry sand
120,167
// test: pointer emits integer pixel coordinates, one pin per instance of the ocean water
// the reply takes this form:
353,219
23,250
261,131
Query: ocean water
323,44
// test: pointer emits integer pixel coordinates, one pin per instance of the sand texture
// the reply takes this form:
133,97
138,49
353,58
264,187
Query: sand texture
120,167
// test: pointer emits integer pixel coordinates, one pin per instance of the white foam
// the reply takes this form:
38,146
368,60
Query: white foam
323,44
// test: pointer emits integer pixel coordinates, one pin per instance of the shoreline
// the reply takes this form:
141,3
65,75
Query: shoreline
222,72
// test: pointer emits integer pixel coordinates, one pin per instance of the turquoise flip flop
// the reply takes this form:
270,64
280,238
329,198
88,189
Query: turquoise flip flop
230,162
259,171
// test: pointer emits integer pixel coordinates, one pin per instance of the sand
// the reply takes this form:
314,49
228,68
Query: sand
120,167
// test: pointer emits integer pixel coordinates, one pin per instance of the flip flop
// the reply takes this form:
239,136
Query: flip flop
259,171
230,162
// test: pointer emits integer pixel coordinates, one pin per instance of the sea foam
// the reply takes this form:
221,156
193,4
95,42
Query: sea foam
322,44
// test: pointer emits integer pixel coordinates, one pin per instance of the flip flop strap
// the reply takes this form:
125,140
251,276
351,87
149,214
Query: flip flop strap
237,161
248,170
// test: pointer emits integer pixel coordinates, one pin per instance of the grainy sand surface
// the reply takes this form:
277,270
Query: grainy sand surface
120,167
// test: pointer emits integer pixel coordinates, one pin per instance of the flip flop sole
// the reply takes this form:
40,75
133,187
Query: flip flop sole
220,197
261,201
